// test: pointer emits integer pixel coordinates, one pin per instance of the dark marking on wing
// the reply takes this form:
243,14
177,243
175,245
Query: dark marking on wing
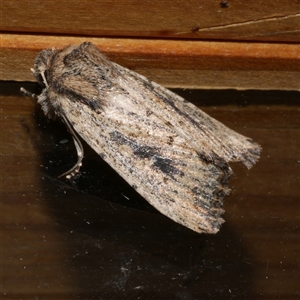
149,113
75,96
145,151
170,140
164,165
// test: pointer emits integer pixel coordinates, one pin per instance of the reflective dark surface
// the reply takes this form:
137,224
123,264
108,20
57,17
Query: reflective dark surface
98,239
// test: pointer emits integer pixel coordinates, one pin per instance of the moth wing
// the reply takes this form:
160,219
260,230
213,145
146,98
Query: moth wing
209,137
173,154
153,158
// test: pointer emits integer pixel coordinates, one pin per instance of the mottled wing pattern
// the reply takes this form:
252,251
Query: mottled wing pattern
212,139
173,154
161,165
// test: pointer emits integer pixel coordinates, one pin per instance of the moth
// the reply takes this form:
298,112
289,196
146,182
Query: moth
168,150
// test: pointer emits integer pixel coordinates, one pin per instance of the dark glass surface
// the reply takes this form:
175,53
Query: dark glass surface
96,238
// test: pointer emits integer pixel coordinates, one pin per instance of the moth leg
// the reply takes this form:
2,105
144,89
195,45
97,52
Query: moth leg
27,93
44,79
80,152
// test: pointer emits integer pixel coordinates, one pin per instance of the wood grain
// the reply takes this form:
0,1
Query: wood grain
62,242
173,63
251,20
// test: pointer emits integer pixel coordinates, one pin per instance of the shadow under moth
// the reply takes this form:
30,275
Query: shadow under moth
171,152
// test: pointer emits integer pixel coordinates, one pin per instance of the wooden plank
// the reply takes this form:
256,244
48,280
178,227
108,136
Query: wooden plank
250,20
61,242
188,64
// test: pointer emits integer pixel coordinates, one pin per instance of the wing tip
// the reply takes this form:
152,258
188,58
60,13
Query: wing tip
251,155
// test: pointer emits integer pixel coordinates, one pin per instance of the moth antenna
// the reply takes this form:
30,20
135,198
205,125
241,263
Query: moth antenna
80,152
44,80
27,93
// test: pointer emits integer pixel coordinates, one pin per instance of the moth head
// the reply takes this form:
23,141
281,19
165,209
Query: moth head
41,71
42,65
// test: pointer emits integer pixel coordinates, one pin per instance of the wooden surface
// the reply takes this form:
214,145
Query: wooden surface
251,20
99,240
173,63
186,44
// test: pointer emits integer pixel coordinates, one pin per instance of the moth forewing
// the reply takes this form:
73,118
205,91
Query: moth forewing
207,135
172,153
169,175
